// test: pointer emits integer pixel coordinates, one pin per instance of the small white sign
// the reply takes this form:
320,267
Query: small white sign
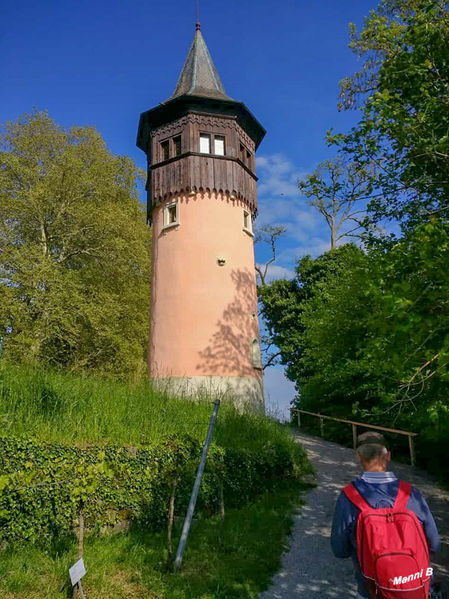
77,571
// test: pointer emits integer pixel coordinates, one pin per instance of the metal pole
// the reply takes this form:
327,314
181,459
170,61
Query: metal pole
196,487
299,419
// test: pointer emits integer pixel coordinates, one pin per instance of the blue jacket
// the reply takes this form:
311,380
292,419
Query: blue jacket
380,490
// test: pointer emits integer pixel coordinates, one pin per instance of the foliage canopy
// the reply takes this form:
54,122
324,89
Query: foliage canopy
74,254
402,92
364,331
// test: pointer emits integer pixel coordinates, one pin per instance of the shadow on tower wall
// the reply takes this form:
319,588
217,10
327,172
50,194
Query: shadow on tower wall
230,351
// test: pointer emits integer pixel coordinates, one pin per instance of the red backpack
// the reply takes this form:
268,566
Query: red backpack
391,547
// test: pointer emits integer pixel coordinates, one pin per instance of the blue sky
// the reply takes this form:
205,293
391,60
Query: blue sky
103,63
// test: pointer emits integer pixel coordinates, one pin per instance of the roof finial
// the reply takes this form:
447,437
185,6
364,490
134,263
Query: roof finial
198,26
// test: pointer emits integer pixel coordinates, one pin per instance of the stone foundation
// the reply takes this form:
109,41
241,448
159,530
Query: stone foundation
245,392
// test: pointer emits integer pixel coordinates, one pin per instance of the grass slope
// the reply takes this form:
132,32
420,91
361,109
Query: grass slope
52,406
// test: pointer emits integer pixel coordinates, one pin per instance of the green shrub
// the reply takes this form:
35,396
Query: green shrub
42,485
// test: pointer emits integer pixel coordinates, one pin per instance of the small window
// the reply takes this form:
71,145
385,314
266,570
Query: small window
247,224
256,357
219,145
177,145
165,150
171,214
245,156
205,143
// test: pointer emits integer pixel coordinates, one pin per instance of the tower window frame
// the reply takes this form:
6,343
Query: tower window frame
171,214
249,159
219,145
213,144
205,143
177,145
256,355
247,222
246,156
165,149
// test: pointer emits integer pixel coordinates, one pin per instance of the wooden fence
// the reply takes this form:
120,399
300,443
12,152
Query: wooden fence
354,424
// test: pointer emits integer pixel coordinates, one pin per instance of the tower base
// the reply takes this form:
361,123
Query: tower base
245,392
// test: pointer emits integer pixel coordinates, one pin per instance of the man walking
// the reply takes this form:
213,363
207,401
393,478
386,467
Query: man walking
379,488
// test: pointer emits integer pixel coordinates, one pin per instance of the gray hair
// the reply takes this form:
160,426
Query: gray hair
372,446
372,451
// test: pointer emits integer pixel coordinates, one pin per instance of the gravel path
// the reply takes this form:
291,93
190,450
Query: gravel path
309,570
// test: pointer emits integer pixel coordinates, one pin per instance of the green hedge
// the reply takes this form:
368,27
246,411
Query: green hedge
42,486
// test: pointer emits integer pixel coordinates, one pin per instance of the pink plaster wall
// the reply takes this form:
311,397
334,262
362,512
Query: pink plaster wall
203,316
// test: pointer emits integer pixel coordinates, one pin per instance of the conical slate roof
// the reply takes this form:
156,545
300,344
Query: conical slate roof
199,76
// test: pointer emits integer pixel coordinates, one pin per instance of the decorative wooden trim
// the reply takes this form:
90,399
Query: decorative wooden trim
170,128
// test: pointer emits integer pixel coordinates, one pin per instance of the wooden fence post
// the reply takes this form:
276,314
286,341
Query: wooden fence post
354,435
171,516
412,452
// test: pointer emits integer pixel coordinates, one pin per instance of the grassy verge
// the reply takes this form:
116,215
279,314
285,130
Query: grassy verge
228,558
53,406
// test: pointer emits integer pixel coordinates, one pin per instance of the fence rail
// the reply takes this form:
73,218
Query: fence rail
355,424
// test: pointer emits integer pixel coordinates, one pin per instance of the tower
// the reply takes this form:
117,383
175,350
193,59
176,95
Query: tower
200,145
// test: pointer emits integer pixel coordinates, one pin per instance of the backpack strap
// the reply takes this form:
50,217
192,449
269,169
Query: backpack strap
403,495
356,498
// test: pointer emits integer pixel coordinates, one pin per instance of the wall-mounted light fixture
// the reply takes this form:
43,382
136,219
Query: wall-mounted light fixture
221,261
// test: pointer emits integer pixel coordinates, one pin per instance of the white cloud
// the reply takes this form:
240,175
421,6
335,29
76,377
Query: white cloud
279,391
275,272
311,246
278,176
280,203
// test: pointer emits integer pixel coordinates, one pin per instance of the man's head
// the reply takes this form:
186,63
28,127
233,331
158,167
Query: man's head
372,452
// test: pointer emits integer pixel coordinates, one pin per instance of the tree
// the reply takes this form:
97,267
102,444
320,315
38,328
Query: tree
74,253
401,91
268,234
336,189
408,342
284,304
366,332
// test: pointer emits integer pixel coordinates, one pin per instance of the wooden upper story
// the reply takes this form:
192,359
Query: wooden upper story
202,152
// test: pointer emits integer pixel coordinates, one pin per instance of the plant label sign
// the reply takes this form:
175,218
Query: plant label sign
77,571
